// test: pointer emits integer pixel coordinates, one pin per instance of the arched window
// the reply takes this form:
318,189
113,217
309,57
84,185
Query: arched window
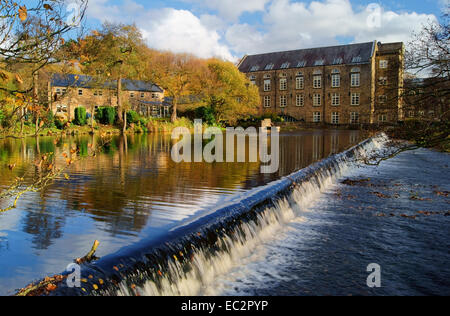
267,76
335,71
356,69
317,72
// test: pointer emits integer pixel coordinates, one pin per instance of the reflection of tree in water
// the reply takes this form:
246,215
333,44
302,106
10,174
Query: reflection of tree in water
4,244
44,227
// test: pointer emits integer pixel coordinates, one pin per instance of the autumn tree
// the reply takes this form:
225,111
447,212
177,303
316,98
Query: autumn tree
113,53
177,74
229,93
31,34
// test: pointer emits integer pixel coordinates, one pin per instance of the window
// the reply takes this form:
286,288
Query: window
356,59
355,79
80,92
267,101
382,118
253,82
58,91
254,68
131,94
285,65
383,81
335,79
317,101
355,98
382,99
411,114
317,81
421,113
154,96
283,84
319,62
301,64
335,99
338,61
384,64
283,101
354,118
299,82
269,67
142,95
300,100
64,90
267,85
317,117
335,118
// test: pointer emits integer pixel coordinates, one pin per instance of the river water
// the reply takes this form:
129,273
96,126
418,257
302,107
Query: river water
130,192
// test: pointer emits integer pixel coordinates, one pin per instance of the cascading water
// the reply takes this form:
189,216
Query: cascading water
195,253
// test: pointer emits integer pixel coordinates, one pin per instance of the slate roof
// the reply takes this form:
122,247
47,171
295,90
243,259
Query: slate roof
322,56
88,82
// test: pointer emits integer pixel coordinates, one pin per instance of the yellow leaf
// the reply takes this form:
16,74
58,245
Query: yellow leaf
18,79
23,13
95,287
66,176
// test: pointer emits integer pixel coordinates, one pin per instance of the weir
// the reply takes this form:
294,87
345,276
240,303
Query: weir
193,254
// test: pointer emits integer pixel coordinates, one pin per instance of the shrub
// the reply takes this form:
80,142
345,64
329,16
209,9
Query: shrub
206,113
49,119
132,117
80,116
60,123
2,117
106,115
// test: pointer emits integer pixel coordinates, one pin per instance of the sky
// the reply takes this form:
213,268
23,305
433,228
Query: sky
230,29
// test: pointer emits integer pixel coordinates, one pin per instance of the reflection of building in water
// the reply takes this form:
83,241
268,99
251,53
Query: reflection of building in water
318,142
354,137
334,144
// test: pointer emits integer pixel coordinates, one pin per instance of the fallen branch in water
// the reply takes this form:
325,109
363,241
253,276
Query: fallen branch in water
50,284
90,256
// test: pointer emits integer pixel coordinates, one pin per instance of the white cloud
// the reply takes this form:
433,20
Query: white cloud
293,25
285,24
179,31
232,9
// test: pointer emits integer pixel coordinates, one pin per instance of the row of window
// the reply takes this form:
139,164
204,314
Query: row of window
336,118
320,62
100,93
317,100
355,81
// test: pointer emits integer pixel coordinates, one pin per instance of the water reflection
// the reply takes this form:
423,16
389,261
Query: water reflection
131,190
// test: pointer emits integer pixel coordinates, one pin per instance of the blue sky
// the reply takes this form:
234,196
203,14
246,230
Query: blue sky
230,29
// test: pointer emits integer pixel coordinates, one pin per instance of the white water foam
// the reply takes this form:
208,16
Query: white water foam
246,245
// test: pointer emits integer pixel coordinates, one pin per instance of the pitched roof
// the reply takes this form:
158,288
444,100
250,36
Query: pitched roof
322,56
88,82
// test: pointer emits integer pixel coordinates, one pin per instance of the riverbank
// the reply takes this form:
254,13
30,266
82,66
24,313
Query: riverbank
152,126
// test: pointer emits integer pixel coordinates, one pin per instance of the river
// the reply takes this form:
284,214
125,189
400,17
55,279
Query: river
131,192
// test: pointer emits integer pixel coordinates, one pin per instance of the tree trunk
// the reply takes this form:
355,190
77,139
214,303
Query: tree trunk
124,130
92,117
174,111
119,99
36,101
